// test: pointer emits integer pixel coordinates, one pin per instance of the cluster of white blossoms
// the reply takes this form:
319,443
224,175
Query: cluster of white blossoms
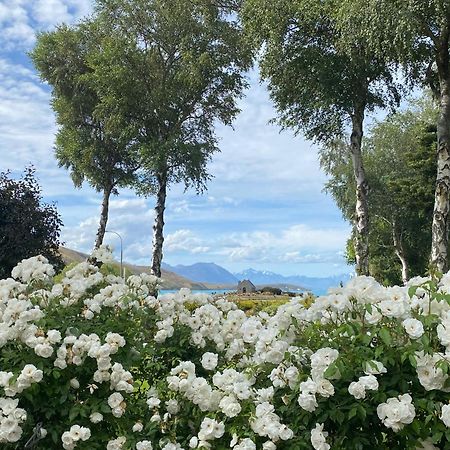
243,366
76,433
210,429
267,423
430,376
103,254
35,268
317,384
397,412
10,419
318,438
29,375
366,382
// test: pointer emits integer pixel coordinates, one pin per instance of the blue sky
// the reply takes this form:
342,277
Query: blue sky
264,208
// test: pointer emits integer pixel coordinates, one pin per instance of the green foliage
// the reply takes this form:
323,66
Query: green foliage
27,225
399,156
254,306
315,84
170,70
410,33
92,141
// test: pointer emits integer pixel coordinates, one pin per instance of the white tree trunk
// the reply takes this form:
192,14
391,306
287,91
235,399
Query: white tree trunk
103,217
158,226
400,252
439,238
361,210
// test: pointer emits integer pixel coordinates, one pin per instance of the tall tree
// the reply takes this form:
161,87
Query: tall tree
318,88
28,226
400,163
92,142
173,69
416,34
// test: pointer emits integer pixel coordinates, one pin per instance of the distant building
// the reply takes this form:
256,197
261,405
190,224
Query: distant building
245,286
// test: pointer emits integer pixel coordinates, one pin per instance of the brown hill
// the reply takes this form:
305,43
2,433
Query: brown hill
170,280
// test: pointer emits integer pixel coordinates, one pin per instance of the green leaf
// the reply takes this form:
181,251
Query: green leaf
385,336
437,437
331,371
74,412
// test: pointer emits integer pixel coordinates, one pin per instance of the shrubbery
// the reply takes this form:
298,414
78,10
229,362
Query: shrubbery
28,226
92,361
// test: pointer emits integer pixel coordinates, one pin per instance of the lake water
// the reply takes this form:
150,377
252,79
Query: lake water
199,291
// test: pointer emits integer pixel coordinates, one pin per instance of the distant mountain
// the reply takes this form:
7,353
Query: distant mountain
213,276
170,279
204,273
317,285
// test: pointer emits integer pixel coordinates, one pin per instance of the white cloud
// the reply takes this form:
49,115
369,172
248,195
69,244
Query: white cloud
21,19
45,11
184,240
255,154
296,244
182,207
128,216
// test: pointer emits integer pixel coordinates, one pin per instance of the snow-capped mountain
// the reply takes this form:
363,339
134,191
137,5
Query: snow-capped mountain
214,274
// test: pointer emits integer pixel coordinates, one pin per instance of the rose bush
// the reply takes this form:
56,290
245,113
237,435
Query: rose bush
92,361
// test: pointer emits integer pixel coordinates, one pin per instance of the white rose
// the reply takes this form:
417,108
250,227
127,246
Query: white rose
414,328
209,360
374,317
269,445
230,406
144,445
193,443
375,368
357,389
318,438
54,336
369,382
308,402
153,402
445,415
74,383
325,388
96,417
115,399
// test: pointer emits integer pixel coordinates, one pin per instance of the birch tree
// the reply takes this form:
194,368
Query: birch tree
415,34
91,140
173,69
320,89
399,159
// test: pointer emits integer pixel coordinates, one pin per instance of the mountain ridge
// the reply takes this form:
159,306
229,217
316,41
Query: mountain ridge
213,273
204,273
170,280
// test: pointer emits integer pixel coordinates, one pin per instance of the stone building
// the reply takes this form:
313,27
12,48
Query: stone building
245,286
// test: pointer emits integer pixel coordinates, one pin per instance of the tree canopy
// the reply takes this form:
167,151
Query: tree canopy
28,226
92,141
171,70
321,86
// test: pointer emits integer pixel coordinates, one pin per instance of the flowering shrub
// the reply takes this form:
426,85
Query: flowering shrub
92,361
